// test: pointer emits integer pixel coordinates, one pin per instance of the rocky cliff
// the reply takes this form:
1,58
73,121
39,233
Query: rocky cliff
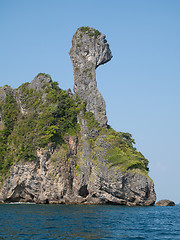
89,50
56,147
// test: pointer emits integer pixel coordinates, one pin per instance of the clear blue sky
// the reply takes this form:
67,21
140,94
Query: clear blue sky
141,84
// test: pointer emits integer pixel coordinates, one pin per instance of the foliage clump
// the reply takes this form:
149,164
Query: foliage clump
44,75
91,32
91,122
49,115
122,152
9,113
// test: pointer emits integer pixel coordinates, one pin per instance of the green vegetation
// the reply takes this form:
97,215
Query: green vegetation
44,75
85,29
91,122
49,116
96,33
91,32
87,70
10,113
122,153
90,75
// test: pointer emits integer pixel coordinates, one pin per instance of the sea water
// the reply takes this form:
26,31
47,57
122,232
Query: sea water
31,221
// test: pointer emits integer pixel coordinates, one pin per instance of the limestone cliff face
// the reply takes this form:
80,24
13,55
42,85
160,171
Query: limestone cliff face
85,167
60,181
89,50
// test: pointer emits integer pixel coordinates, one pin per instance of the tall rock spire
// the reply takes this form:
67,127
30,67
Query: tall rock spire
89,50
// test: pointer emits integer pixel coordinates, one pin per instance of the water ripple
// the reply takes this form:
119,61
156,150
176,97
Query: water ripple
28,221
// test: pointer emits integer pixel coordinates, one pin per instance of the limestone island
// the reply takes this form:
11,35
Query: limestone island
56,146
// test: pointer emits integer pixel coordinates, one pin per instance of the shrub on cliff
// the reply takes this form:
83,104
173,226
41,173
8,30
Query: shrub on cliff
47,117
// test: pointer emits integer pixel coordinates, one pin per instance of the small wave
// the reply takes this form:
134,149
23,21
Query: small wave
20,203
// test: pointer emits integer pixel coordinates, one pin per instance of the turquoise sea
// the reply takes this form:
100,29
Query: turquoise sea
31,221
